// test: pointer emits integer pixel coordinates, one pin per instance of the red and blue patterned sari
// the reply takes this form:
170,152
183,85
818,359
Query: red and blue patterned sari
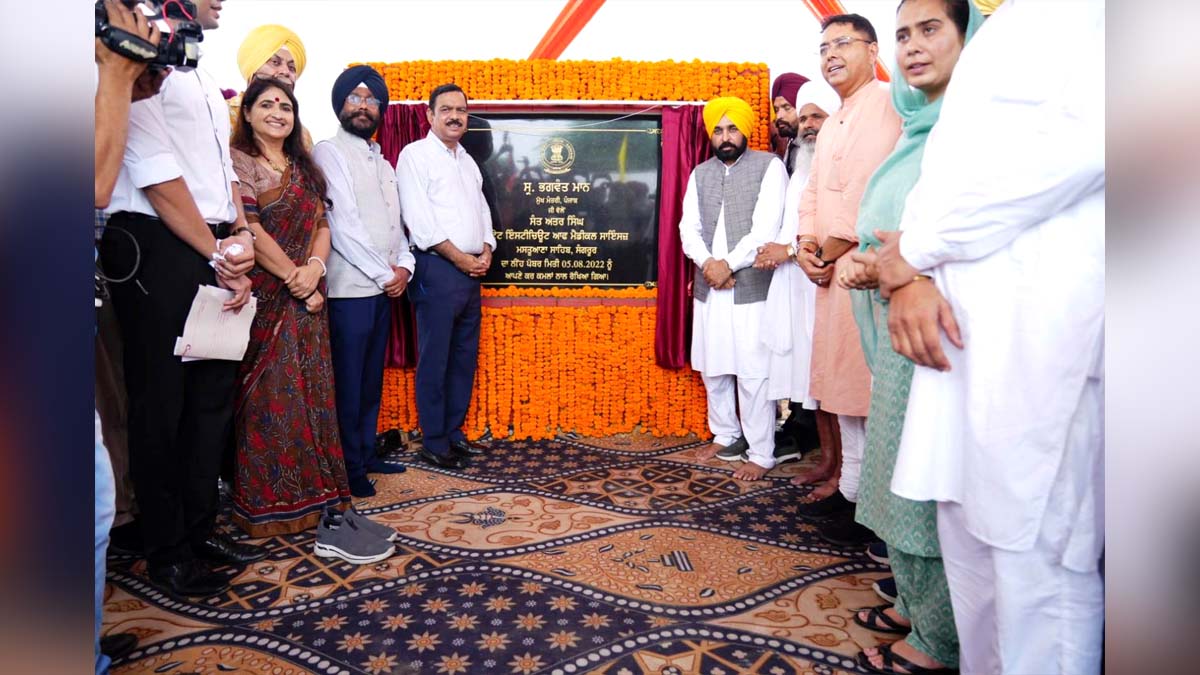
289,456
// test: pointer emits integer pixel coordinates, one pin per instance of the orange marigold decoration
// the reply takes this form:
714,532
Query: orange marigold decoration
615,80
568,363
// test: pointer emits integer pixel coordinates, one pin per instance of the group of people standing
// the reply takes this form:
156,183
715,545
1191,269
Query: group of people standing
235,194
929,286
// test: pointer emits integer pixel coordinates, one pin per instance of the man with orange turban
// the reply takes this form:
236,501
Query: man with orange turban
733,205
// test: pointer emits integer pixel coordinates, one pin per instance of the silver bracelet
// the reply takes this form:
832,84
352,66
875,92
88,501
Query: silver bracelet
319,262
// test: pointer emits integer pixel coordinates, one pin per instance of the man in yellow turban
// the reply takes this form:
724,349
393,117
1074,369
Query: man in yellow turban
272,51
737,110
733,205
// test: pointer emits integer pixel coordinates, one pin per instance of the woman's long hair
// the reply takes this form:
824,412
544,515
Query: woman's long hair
293,145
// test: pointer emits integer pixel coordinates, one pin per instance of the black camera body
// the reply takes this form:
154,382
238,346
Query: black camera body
177,48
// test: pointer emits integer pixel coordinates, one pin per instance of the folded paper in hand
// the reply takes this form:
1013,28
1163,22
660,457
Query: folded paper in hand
213,333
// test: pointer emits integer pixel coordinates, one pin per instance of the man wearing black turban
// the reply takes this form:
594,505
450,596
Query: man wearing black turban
369,265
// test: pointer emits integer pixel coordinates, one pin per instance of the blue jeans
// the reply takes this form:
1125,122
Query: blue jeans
106,509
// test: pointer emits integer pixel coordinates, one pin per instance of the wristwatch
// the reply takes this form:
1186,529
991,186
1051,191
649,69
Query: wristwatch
791,250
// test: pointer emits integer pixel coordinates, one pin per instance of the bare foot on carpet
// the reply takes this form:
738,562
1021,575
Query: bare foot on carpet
905,651
707,452
750,471
823,490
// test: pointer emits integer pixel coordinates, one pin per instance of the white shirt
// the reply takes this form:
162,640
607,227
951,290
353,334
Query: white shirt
1008,217
725,336
359,267
441,192
182,131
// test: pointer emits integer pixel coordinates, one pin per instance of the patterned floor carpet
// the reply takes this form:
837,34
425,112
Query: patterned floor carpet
622,556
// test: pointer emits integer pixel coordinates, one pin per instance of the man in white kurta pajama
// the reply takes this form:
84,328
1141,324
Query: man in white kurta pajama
733,205
1005,430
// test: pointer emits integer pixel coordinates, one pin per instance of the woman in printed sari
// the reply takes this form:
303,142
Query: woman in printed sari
289,458
930,36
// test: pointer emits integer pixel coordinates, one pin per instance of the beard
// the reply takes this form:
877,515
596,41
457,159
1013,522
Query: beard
728,152
785,130
805,151
808,137
352,123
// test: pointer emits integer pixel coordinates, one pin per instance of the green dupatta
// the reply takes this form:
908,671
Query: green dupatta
883,200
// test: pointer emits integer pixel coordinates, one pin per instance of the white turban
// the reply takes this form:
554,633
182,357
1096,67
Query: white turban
819,93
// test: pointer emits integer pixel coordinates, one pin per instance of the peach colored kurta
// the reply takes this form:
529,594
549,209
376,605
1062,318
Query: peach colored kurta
851,144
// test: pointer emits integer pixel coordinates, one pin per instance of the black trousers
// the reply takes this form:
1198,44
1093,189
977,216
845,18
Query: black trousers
179,413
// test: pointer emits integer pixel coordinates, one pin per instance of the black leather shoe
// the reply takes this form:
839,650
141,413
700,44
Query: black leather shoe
465,449
450,461
189,580
380,466
118,645
828,507
223,551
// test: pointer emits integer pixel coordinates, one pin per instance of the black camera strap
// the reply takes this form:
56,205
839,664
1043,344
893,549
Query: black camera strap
127,44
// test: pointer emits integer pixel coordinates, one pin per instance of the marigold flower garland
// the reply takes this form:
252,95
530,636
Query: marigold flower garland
613,80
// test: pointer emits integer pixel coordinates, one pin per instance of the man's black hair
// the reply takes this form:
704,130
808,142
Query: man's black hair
857,21
444,89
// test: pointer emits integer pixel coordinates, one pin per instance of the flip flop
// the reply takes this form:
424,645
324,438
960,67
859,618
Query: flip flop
880,622
891,659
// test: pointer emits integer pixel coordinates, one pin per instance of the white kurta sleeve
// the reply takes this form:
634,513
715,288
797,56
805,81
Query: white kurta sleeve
348,236
689,225
790,225
998,163
768,213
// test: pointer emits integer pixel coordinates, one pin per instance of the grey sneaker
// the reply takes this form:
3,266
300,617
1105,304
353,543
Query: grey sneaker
363,522
735,451
343,539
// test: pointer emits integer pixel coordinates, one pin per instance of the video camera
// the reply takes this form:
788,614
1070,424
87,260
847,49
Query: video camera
179,45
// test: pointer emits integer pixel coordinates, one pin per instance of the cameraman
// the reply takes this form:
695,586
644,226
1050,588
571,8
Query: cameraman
119,81
174,197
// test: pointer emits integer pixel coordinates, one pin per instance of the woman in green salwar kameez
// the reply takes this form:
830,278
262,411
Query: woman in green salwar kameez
930,35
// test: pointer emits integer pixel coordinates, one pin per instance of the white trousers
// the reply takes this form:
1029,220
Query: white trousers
854,444
1039,611
757,415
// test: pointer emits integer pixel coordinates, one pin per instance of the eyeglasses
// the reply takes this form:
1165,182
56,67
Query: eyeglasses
355,99
840,44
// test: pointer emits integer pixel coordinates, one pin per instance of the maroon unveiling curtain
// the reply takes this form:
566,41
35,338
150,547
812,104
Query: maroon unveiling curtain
402,124
684,145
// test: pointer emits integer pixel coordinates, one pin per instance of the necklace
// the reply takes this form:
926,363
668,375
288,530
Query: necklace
276,167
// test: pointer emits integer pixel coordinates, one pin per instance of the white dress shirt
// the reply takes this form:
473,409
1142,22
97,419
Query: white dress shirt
441,191
1008,218
365,226
182,131
725,336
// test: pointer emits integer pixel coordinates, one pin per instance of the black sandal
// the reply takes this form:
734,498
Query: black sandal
880,622
891,659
